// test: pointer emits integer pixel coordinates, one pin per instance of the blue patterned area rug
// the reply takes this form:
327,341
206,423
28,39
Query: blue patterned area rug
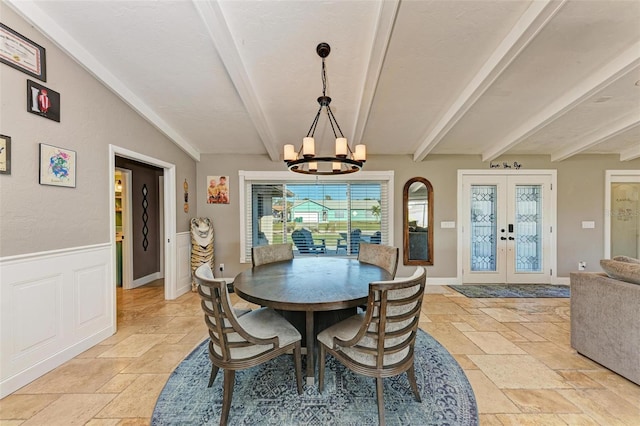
513,290
266,394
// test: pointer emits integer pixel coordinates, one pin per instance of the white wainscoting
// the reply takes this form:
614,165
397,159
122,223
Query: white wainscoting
53,306
183,254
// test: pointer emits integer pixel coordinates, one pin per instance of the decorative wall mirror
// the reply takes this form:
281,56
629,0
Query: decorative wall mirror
417,224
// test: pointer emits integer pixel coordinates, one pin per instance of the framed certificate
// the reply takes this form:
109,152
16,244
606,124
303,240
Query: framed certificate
22,54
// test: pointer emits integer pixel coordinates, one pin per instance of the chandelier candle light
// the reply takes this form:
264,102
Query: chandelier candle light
304,160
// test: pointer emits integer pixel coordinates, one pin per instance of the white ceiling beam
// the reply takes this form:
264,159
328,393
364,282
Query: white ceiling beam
33,14
524,31
216,24
585,89
382,36
631,153
587,141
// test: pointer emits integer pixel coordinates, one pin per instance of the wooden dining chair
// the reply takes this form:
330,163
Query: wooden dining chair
238,343
271,253
383,256
380,341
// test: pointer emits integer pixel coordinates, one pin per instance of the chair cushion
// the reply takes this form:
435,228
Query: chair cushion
347,329
262,323
623,271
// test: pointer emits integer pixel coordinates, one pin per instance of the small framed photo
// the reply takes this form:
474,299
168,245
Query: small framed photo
217,190
57,166
43,101
19,52
5,155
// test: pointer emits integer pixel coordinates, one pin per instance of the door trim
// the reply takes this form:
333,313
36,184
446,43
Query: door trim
169,207
553,175
612,176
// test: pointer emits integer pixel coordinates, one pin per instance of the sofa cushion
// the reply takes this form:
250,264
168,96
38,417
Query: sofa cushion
624,271
626,259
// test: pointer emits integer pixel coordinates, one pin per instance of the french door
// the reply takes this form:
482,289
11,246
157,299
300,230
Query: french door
507,228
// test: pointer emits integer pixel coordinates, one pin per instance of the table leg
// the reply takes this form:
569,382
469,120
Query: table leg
311,367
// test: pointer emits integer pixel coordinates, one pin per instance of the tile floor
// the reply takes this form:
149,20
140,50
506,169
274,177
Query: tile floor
515,352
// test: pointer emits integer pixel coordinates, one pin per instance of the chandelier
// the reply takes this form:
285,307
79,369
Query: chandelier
345,160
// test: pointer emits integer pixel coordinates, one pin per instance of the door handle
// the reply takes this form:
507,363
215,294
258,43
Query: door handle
503,238
511,238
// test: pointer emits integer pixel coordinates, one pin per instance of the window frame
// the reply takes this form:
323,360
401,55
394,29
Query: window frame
288,177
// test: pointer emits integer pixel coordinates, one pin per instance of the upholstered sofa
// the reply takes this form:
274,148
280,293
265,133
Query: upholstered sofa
605,317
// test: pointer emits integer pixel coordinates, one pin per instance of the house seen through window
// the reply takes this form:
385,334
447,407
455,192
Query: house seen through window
320,218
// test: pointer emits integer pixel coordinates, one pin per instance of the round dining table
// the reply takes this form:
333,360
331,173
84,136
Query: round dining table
312,292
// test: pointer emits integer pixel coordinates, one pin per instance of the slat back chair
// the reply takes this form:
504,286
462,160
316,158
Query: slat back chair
383,256
379,342
271,253
242,342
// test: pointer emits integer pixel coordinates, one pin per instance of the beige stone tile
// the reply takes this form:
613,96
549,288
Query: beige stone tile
432,298
465,362
444,318
504,314
195,337
550,332
474,311
543,318
94,352
489,420
138,400
141,421
557,357
159,359
451,338
70,409
11,422
617,384
518,372
530,420
540,401
465,302
463,326
525,332
578,420
492,342
22,407
448,308
483,322
595,403
512,336
119,383
134,346
172,339
77,376
103,422
579,379
424,317
490,399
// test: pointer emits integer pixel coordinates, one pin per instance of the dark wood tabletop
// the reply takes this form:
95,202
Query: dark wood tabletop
310,285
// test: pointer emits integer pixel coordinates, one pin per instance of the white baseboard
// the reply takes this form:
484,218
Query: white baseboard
146,279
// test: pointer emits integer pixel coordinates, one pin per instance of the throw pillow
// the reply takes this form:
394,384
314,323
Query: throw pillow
626,259
624,271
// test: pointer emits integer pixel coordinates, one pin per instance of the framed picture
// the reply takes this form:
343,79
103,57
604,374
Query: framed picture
57,166
5,155
217,190
19,52
43,101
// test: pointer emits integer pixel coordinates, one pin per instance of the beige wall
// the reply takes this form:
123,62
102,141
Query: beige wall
36,218
580,197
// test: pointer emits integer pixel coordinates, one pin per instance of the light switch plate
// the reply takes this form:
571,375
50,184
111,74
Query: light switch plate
449,224
588,224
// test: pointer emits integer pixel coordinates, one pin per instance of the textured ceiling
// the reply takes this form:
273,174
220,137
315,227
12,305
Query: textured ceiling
557,78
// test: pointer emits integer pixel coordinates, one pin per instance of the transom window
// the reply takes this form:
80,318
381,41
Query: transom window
320,216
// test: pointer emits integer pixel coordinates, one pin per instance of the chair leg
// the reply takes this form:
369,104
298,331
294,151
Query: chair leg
411,374
297,362
321,361
380,395
214,373
227,394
